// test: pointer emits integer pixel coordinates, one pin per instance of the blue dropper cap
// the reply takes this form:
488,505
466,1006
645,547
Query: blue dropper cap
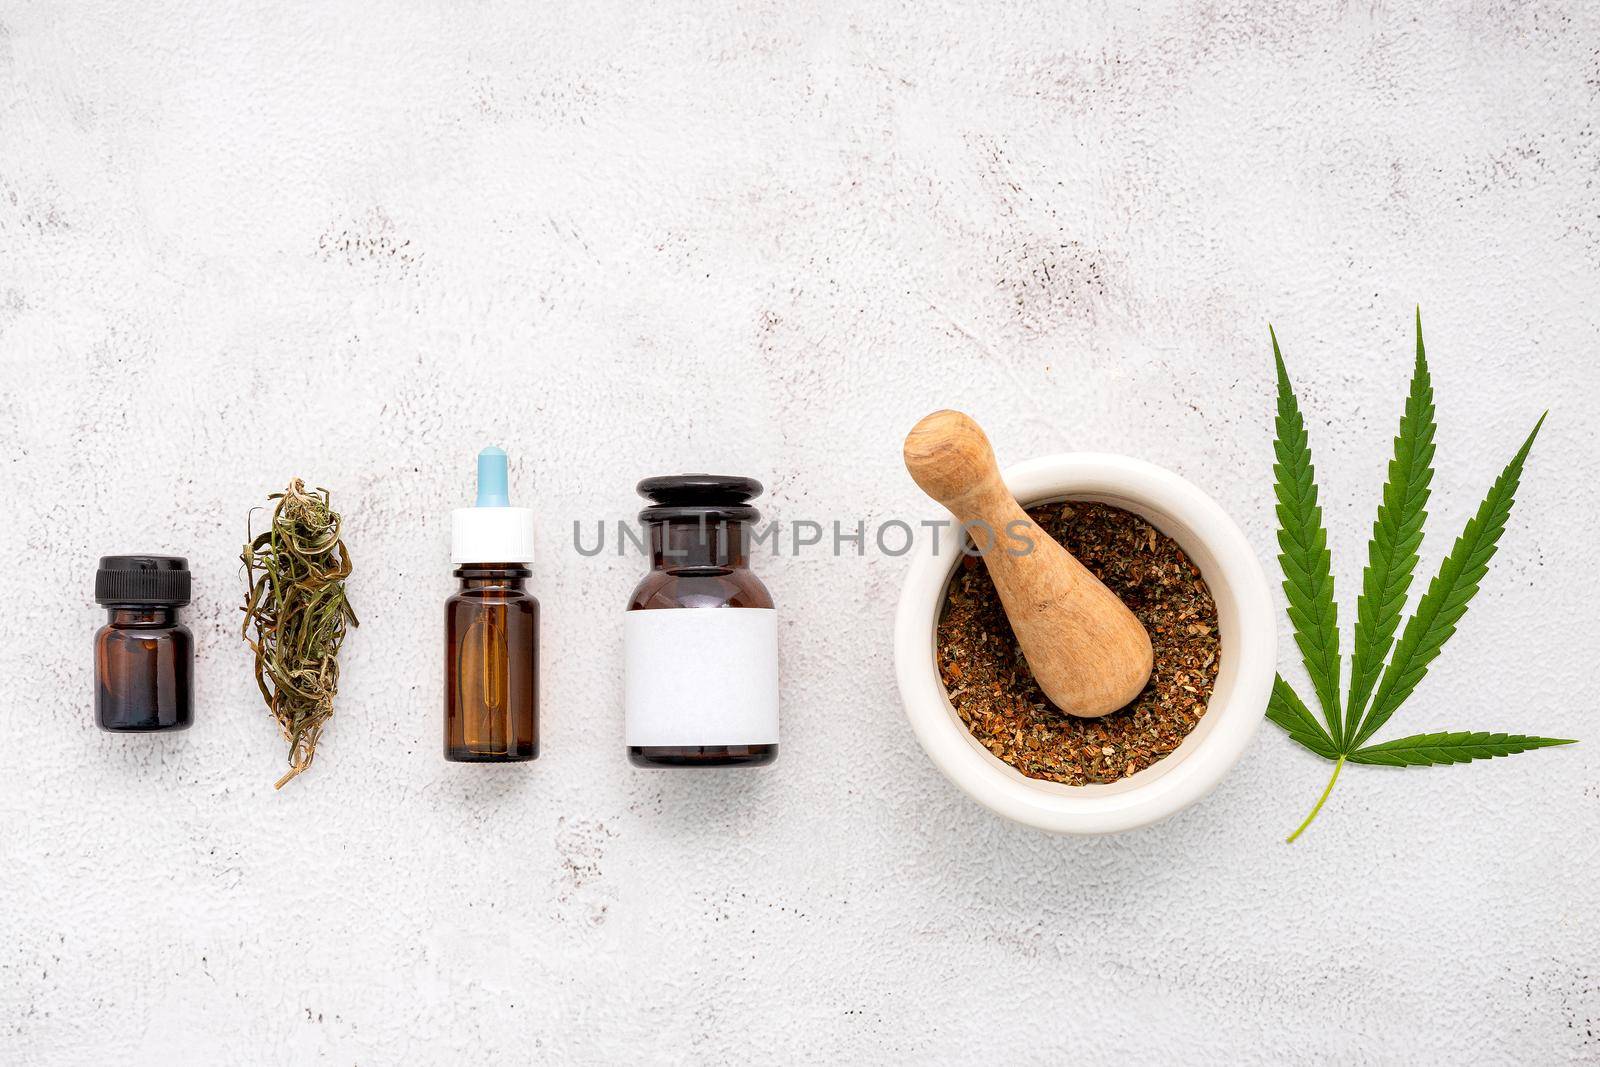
493,531
493,479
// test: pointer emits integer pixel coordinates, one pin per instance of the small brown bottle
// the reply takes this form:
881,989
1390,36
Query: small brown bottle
701,684
491,673
143,656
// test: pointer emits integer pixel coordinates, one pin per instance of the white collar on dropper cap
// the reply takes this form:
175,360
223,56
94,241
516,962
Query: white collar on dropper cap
493,531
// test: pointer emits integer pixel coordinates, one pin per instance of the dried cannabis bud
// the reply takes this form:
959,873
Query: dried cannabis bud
296,614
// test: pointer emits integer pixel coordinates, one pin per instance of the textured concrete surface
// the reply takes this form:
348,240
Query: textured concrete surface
357,241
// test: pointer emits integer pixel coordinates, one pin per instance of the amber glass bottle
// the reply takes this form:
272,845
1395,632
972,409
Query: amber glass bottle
143,656
492,669
491,674
701,684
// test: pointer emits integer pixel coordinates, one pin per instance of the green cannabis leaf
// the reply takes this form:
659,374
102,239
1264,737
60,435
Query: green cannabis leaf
1307,565
1392,554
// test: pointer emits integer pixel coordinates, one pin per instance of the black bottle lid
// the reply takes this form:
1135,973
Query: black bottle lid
694,496
158,581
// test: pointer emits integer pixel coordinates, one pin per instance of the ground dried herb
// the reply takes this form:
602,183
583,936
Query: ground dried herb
995,693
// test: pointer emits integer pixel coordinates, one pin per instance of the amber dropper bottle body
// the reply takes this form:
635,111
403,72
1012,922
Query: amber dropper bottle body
492,666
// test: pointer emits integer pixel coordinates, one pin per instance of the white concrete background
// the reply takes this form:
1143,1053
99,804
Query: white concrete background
356,241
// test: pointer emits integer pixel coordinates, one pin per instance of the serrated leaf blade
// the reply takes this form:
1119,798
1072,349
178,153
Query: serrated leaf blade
1286,709
1303,555
1396,539
1448,595
1423,750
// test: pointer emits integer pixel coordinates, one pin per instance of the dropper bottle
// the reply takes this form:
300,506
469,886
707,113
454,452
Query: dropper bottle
491,704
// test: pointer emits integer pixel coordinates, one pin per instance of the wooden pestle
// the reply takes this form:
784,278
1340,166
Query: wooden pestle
1088,652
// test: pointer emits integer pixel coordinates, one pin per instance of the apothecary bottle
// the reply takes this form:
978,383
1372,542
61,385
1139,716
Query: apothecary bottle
700,633
143,656
491,712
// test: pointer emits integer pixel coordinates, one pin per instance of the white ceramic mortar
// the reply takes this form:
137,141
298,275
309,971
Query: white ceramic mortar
1238,700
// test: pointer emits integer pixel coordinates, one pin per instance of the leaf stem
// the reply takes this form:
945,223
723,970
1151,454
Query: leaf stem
1337,767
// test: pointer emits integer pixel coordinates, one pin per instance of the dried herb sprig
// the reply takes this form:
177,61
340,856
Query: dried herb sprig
1392,560
296,614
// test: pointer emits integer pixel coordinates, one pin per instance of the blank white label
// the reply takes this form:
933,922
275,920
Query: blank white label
700,676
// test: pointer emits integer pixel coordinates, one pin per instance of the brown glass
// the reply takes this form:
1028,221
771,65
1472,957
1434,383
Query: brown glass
491,667
699,565
144,675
